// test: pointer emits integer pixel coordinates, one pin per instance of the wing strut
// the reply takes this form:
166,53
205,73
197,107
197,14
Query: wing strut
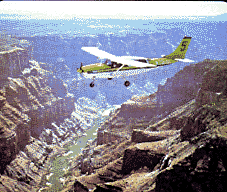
120,67
109,78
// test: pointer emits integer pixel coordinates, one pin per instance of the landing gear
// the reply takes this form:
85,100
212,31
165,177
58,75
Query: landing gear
92,84
127,83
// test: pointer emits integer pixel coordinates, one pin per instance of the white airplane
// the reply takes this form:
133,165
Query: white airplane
114,66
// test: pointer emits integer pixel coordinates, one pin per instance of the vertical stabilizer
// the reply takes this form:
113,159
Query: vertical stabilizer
181,50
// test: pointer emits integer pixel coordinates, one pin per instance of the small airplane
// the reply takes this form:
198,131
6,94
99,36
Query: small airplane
115,64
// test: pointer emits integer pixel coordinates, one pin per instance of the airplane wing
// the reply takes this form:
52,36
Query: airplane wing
98,53
104,55
134,63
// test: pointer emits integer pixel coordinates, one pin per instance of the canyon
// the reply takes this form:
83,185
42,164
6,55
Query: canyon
169,140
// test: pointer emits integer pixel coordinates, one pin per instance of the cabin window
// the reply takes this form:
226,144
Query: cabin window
142,60
115,65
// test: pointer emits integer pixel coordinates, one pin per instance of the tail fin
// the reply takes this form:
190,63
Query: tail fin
181,50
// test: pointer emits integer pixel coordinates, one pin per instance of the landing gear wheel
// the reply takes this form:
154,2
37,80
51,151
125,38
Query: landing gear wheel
92,84
109,78
127,83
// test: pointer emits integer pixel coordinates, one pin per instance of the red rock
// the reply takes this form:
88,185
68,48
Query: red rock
139,136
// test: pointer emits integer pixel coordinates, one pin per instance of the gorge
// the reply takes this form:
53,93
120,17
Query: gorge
169,140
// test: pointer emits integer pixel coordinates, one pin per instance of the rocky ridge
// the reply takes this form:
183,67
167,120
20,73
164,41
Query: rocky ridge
181,145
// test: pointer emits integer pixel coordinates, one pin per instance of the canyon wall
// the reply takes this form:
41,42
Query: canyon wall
164,142
34,106
13,62
178,90
185,147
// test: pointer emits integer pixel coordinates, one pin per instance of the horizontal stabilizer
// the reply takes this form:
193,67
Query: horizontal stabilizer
185,60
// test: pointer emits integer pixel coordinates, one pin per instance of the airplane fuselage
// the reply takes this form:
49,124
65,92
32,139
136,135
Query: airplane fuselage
110,66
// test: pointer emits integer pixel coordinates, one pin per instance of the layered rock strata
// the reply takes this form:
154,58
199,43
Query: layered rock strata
13,62
185,149
33,125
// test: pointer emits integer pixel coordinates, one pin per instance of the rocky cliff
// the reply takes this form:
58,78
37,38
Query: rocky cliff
34,106
144,111
182,148
13,61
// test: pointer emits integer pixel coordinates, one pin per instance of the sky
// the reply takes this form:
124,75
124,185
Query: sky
67,10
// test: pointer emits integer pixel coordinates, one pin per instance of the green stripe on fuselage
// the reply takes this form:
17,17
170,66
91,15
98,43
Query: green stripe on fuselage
161,61
99,68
